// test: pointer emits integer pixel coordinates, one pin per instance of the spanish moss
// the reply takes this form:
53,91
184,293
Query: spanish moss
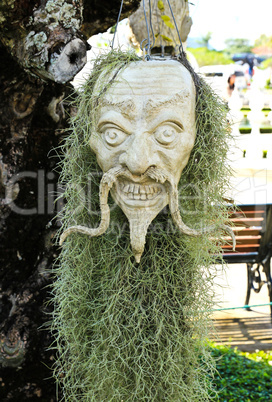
138,332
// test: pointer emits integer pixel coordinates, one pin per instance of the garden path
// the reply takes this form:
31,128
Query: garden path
246,330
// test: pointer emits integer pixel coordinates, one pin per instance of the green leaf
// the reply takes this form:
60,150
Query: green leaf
166,38
165,18
160,5
169,24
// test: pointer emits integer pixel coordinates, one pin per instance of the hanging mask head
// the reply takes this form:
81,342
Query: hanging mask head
143,132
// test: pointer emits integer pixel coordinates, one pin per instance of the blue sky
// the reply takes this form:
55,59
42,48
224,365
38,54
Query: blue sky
231,19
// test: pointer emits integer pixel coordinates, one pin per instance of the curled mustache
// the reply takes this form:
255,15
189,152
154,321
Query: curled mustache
159,176
108,180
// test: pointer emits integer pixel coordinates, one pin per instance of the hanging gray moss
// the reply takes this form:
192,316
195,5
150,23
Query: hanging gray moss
138,332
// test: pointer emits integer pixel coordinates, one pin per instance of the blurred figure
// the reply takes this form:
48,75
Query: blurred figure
251,67
231,85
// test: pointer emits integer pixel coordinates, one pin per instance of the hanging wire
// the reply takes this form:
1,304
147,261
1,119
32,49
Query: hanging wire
116,26
147,45
181,50
150,22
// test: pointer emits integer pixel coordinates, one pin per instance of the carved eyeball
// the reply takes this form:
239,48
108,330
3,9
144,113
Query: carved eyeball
114,136
167,133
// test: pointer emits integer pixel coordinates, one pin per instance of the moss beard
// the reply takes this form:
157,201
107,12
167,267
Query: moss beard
128,331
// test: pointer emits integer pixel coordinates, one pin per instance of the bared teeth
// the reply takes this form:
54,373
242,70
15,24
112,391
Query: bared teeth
147,189
139,192
142,189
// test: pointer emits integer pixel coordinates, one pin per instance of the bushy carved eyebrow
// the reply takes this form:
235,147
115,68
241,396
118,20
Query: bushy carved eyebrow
180,97
128,108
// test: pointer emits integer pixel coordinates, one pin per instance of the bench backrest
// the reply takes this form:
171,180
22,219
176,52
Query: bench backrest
253,232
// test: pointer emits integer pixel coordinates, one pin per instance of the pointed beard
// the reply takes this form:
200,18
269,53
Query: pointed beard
139,222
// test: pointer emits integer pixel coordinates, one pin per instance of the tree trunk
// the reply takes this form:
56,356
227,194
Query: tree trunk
42,48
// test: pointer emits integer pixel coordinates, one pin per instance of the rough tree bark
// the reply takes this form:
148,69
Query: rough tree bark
42,46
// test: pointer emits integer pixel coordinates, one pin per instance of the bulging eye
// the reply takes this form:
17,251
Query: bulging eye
114,136
166,133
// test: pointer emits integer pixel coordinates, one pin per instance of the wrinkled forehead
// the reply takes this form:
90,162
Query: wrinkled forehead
147,85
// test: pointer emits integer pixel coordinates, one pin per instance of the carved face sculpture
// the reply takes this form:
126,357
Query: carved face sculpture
145,125
143,134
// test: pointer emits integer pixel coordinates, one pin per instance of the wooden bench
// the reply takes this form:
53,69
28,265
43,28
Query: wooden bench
253,233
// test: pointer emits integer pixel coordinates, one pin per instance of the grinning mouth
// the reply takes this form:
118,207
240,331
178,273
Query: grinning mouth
133,194
133,191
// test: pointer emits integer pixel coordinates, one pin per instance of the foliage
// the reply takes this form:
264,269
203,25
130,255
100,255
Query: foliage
204,40
243,376
166,20
263,40
206,57
268,84
237,45
127,331
266,63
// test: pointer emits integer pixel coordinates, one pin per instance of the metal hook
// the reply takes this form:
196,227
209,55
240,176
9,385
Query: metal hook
145,49
181,50
141,44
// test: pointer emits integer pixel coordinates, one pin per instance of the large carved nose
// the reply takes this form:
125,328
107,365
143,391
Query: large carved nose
139,156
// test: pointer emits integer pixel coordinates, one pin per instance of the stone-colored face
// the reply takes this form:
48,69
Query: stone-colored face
147,119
